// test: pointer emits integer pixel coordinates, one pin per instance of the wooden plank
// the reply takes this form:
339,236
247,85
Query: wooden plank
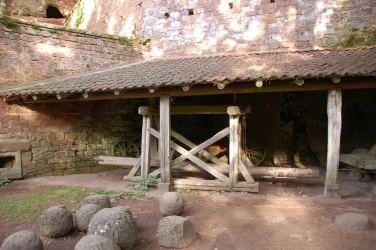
165,138
135,168
201,184
234,113
334,140
145,147
205,89
194,159
221,134
122,161
191,145
244,171
194,110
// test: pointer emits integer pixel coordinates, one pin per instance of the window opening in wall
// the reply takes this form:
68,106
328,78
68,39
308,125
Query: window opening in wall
231,5
272,1
6,162
53,12
190,12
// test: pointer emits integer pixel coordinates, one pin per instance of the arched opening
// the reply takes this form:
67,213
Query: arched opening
53,12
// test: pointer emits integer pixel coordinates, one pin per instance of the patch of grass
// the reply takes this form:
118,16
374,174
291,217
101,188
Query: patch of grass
10,24
142,184
54,32
188,191
29,207
4,182
214,192
104,192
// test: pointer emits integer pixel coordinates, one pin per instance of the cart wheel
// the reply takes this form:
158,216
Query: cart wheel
256,155
125,149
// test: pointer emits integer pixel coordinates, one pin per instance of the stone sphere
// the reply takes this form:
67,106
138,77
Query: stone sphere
101,200
171,203
22,240
84,215
56,222
96,242
116,224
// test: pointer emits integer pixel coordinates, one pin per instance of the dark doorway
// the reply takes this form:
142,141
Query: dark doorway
6,162
53,12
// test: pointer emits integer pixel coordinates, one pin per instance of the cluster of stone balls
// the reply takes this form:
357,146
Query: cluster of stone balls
108,228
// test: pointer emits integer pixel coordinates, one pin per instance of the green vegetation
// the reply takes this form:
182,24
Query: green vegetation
104,192
54,32
80,15
4,182
188,191
214,192
21,208
142,184
358,38
10,24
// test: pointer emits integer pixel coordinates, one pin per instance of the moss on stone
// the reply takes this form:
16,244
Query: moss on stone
79,14
10,24
357,38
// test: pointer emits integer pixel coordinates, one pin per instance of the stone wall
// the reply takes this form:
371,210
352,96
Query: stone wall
36,51
37,8
65,137
192,27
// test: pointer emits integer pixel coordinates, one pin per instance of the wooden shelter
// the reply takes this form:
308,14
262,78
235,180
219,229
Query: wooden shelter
327,70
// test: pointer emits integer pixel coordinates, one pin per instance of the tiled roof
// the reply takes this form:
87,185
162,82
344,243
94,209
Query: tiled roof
220,68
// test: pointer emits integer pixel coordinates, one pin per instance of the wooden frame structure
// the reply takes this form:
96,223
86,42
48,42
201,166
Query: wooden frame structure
165,182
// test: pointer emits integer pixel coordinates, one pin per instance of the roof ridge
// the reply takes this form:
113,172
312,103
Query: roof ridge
259,53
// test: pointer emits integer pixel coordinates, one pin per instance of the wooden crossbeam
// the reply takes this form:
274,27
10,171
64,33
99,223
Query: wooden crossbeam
191,145
135,168
221,134
195,149
193,158
244,171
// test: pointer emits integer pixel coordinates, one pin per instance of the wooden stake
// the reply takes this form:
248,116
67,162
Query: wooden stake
334,139
164,141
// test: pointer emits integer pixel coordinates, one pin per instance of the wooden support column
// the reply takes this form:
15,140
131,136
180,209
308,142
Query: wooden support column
334,139
164,143
234,113
145,142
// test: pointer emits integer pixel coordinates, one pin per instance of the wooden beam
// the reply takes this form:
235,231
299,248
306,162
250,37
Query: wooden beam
233,88
145,146
164,141
247,176
334,140
194,159
234,148
121,161
191,145
221,134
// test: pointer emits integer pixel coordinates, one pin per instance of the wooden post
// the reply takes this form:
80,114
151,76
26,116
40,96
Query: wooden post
334,139
164,143
145,142
234,113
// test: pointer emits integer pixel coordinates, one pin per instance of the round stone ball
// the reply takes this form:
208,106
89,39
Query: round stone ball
116,224
96,242
101,200
25,240
84,215
56,222
171,203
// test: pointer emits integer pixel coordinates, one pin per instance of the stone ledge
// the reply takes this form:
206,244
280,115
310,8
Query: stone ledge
14,145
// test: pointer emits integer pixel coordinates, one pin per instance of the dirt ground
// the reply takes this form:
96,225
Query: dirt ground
283,216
